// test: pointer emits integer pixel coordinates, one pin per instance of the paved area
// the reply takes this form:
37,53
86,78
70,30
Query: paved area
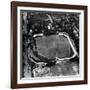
64,68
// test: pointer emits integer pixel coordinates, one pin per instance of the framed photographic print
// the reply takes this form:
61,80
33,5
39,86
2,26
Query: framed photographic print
48,44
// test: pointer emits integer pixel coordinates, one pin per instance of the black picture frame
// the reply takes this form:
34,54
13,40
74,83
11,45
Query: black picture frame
14,41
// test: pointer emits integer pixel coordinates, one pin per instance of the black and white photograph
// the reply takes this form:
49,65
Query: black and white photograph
50,43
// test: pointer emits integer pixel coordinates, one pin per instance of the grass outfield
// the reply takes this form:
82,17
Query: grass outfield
54,46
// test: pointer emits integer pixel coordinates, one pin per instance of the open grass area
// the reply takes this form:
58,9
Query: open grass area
54,46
